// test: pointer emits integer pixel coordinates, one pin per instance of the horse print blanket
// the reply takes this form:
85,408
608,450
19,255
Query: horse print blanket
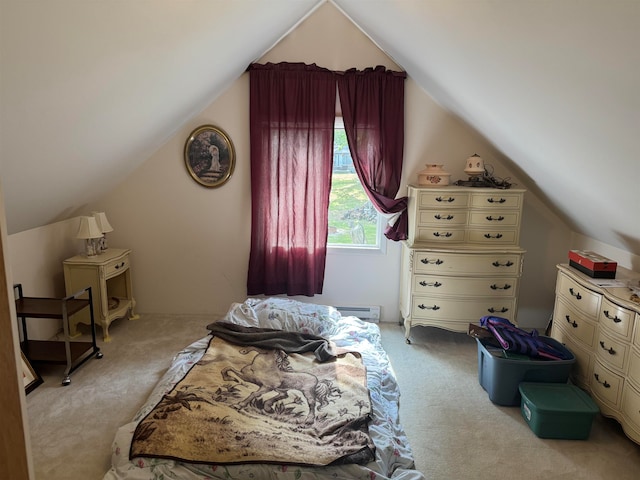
247,404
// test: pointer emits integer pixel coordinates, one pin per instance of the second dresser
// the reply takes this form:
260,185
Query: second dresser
462,258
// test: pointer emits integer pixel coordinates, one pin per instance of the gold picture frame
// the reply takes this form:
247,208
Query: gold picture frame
209,156
30,377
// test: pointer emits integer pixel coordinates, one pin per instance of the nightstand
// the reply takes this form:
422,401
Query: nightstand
109,276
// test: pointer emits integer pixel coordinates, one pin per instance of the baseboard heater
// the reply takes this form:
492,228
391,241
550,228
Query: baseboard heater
369,314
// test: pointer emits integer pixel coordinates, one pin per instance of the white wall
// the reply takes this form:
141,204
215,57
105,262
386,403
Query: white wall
191,244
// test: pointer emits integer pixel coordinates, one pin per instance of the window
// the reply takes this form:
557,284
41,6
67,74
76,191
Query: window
353,220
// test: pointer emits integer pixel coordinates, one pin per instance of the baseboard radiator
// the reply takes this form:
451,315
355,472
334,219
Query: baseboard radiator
369,314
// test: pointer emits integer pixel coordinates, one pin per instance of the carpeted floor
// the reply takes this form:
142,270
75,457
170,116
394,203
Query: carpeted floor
454,429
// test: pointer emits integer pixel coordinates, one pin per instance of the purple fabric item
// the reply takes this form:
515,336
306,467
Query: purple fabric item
372,103
292,116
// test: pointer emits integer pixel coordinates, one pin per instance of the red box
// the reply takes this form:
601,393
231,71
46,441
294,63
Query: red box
592,264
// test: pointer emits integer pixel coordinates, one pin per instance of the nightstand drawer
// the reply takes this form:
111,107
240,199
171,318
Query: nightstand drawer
116,267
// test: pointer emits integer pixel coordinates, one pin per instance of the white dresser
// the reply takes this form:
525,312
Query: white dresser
461,260
600,324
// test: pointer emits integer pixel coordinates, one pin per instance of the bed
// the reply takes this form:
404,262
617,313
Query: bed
351,431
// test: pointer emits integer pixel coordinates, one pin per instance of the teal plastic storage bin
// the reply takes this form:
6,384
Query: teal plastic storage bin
554,410
500,376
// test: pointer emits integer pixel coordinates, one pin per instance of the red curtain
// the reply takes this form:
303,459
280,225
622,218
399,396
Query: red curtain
372,103
292,113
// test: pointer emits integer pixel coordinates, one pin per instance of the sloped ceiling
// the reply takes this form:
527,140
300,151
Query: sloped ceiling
90,89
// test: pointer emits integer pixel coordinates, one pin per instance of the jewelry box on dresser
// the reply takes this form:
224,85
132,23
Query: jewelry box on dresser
599,321
462,259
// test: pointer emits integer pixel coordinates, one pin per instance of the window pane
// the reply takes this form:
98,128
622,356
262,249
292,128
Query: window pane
353,221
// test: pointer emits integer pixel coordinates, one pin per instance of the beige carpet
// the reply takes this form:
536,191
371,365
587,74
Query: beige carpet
454,429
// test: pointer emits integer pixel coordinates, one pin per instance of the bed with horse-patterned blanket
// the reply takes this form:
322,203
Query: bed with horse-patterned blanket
279,389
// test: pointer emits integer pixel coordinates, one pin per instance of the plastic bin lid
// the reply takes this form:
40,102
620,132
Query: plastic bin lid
558,397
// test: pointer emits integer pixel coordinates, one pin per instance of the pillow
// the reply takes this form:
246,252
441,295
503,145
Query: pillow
284,314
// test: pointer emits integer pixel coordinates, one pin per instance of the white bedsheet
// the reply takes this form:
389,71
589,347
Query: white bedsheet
394,459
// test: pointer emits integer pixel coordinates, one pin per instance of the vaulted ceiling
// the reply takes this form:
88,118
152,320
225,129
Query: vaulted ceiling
89,90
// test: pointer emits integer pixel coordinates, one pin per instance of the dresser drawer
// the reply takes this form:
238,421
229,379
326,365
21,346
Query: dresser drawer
633,371
467,264
493,236
439,199
498,200
631,405
616,319
468,310
465,287
442,234
580,329
606,385
116,267
614,353
502,218
443,218
579,297
581,370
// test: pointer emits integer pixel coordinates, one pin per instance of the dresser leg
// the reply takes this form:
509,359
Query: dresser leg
407,330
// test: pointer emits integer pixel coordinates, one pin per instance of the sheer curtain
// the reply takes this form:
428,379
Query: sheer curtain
372,103
292,110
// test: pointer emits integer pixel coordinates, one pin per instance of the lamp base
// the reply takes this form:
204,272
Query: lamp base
473,183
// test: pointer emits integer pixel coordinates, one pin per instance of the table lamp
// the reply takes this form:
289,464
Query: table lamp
105,227
89,231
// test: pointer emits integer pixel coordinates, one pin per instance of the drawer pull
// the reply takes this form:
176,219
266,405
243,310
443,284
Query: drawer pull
493,200
509,263
433,284
604,384
573,324
488,235
610,349
445,234
573,294
120,265
440,217
448,200
495,287
497,219
426,261
614,318
493,310
424,307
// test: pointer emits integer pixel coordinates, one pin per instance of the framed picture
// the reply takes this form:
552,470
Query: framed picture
209,156
29,376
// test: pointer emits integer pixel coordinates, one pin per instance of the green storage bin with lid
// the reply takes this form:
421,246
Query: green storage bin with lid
554,410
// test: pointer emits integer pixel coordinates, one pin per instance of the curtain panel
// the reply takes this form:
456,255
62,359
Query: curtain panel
292,114
372,103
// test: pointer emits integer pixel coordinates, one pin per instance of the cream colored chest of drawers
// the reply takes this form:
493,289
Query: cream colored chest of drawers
109,276
461,260
601,325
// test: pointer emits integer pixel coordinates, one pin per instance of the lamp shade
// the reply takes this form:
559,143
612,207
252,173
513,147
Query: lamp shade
103,223
474,165
88,228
